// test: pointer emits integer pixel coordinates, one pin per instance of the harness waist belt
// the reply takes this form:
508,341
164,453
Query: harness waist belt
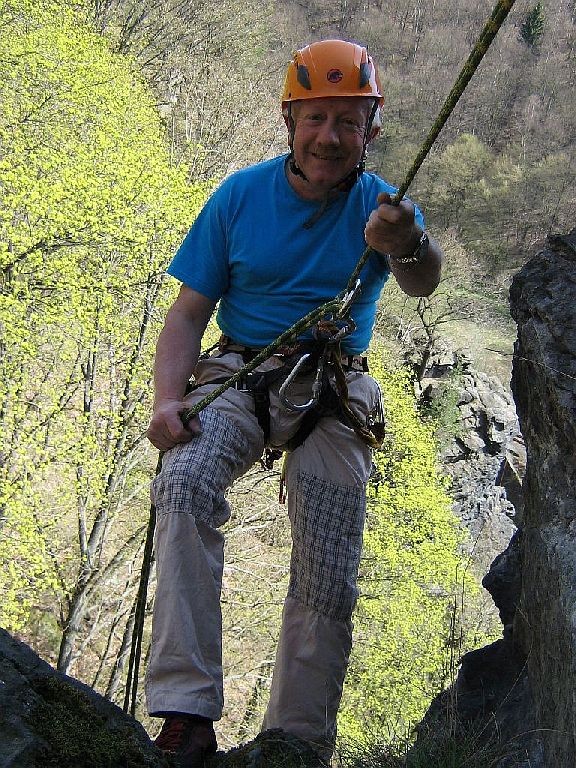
356,363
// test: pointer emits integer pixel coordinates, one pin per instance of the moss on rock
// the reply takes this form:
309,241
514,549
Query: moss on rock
271,749
76,735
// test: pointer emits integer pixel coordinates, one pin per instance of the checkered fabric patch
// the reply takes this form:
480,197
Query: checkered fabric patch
195,475
327,525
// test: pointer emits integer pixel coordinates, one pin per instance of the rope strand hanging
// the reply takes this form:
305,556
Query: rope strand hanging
499,14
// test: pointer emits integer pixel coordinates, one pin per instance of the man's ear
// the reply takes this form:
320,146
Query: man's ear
289,122
374,131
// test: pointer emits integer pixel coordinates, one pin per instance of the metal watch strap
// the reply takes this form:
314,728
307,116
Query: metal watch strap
418,254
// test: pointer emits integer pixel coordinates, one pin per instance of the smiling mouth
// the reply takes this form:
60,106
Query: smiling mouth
329,158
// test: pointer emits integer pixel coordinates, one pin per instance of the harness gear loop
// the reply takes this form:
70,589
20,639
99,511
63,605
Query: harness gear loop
288,336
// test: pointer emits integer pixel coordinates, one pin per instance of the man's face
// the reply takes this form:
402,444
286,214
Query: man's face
328,140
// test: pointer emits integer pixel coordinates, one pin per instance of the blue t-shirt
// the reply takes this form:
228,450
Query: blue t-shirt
249,250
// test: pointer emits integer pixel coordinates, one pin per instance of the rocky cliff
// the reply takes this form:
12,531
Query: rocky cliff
543,302
54,721
49,720
517,695
484,459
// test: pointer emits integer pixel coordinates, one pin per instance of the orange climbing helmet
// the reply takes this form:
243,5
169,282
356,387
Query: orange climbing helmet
331,68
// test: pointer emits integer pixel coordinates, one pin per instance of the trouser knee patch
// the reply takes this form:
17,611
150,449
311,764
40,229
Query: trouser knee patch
195,475
327,525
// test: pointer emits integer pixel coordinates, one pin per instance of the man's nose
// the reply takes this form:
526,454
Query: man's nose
329,133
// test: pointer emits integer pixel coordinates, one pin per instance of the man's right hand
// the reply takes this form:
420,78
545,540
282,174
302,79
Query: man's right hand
166,427
177,353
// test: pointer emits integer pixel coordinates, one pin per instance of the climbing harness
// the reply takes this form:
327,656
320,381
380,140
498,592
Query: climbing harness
321,356
337,309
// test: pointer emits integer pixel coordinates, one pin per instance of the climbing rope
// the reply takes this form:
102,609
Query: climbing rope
500,12
336,307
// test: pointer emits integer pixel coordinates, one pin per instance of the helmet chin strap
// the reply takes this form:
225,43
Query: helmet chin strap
342,186
294,167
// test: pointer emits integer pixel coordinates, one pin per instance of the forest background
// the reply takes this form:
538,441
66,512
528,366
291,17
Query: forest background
117,118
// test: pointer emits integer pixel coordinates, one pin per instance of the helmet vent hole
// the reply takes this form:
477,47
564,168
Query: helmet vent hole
365,72
303,77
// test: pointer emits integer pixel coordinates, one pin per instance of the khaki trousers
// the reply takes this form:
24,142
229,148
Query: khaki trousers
325,479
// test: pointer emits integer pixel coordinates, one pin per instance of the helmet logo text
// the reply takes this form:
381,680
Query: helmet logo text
334,76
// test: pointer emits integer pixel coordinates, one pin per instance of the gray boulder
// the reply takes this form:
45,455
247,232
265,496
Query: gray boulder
51,720
517,695
543,302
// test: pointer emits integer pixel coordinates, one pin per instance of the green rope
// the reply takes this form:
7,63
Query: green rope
501,10
499,14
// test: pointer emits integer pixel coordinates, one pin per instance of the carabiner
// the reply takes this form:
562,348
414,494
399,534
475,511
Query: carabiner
349,298
316,386
348,328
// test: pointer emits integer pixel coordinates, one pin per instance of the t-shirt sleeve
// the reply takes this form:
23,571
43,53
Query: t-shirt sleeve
201,262
419,217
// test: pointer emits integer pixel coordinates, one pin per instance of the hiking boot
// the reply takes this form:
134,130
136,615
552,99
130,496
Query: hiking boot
187,739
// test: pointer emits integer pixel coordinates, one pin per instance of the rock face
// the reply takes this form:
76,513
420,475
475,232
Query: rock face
48,719
485,458
517,695
543,302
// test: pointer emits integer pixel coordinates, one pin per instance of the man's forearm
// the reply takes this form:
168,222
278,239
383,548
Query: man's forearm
172,371
419,279
177,353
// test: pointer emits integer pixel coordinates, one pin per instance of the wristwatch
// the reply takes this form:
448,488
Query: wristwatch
418,254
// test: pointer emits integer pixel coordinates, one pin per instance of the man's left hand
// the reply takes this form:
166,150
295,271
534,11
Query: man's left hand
392,231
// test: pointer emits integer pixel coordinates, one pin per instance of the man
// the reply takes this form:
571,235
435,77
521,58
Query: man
275,241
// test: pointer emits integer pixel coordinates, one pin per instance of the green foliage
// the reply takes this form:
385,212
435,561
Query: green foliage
466,186
210,66
461,746
453,172
90,210
410,577
441,410
532,28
